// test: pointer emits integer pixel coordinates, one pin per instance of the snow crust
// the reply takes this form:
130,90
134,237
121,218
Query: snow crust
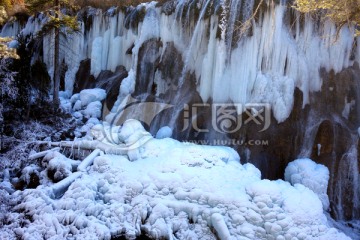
174,190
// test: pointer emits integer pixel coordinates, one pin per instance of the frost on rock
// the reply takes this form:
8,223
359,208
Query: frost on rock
171,190
310,174
59,166
29,172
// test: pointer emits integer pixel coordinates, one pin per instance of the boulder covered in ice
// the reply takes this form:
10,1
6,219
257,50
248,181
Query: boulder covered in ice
164,132
310,174
93,110
92,95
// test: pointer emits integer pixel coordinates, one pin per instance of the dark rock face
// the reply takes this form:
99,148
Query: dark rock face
110,82
184,96
86,15
107,80
40,75
336,141
83,78
171,65
168,7
278,145
170,69
333,148
148,61
134,16
325,136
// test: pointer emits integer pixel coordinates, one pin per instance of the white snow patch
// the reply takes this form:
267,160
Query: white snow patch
310,174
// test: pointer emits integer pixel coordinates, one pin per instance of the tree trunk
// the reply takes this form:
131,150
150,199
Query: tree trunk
56,77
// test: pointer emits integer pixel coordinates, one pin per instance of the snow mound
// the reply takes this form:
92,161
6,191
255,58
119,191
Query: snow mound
310,174
164,132
86,107
92,95
173,190
93,110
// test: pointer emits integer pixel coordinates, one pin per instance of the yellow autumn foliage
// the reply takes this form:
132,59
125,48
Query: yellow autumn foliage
340,11
5,51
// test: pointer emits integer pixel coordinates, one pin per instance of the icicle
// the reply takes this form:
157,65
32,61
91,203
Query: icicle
272,55
195,40
235,5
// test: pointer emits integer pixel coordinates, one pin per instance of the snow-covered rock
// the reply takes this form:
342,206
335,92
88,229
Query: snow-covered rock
7,186
74,98
77,106
310,174
93,110
59,166
92,95
28,172
164,132
131,131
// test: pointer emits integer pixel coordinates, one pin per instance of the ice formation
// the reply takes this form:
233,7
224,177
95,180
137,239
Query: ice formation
172,190
277,53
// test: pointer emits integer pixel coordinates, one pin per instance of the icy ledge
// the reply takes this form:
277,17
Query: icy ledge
173,190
